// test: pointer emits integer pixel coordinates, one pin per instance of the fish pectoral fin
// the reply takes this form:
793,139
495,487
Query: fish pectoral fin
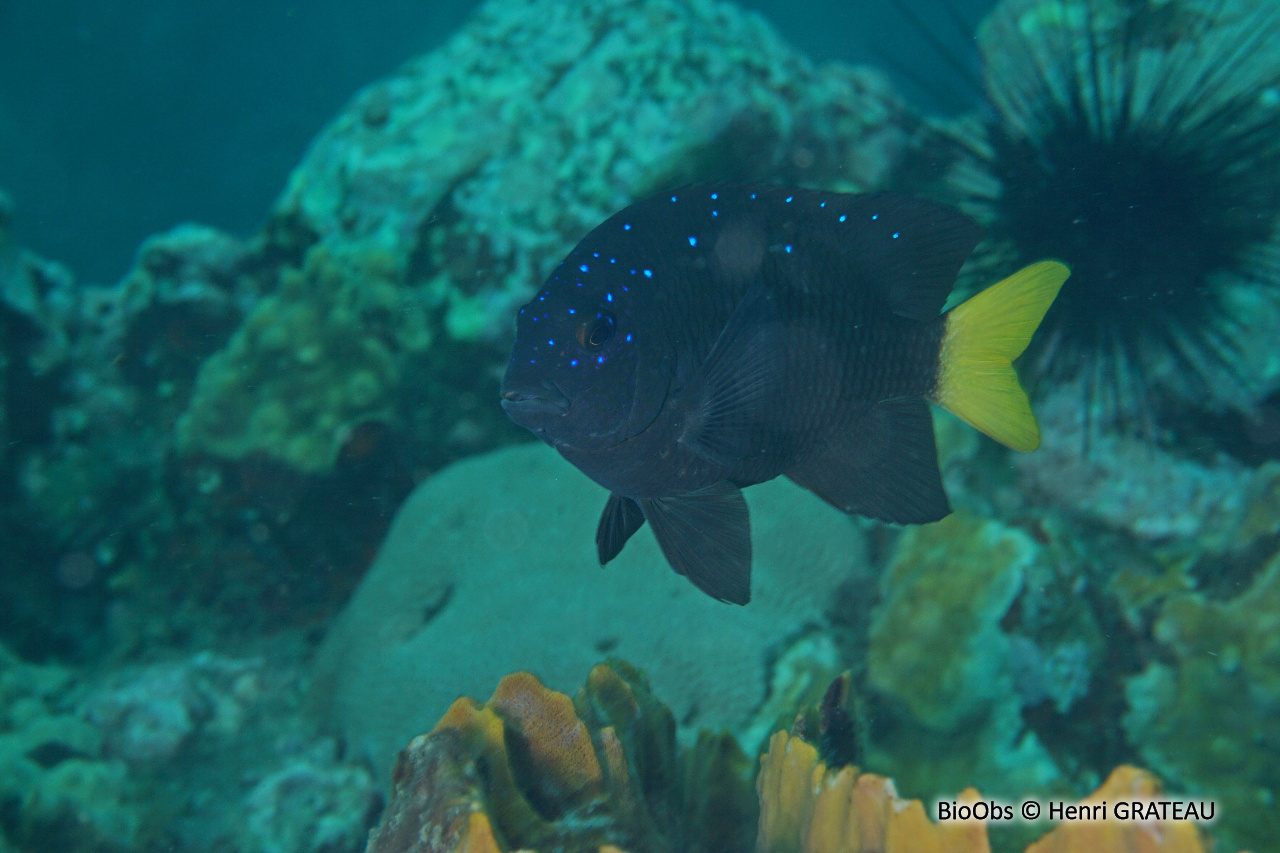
621,518
737,390
706,536
885,468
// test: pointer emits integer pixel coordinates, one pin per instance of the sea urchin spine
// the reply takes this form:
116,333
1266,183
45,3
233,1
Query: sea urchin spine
1137,142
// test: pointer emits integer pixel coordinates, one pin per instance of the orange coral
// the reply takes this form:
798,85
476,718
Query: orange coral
1105,836
806,808
533,770
478,837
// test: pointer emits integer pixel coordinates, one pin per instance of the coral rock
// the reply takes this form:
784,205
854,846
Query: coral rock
152,714
1180,506
487,159
1208,718
310,807
533,769
311,363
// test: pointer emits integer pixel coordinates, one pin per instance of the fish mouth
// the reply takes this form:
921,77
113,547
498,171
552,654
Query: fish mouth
546,401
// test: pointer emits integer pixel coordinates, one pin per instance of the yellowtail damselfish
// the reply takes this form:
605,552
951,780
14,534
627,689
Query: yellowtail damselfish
717,336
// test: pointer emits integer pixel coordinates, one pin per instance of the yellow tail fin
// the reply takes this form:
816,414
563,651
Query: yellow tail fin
983,335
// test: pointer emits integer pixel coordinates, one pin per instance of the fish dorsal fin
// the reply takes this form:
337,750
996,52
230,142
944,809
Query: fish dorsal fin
706,536
737,389
885,468
910,247
621,518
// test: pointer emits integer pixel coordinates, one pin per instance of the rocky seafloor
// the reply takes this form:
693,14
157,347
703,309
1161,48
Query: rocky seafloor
214,637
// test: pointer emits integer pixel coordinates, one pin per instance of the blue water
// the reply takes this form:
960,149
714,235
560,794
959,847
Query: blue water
120,120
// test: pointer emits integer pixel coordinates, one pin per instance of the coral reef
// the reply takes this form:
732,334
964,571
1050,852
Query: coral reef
491,562
206,753
102,503
311,363
445,162
311,804
254,408
428,201
149,714
1177,505
85,466
533,769
1207,719
955,662
207,454
58,790
1130,140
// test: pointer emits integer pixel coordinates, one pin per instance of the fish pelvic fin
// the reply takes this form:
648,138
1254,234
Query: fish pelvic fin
982,337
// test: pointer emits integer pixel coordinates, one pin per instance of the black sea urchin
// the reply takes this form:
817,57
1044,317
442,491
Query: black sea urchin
1139,142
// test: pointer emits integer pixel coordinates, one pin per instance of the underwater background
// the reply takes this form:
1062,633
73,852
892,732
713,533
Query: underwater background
262,519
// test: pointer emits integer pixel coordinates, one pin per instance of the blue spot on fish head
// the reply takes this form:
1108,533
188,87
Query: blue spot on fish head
573,371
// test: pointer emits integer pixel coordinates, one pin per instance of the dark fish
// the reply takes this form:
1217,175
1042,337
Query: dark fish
715,337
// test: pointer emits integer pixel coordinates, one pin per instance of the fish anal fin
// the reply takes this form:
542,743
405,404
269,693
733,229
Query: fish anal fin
706,536
621,518
885,468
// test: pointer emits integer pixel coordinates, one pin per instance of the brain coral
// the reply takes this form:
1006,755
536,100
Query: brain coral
490,566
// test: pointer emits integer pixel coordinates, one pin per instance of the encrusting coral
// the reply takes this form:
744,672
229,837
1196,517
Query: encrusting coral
534,770
309,364
1207,718
956,650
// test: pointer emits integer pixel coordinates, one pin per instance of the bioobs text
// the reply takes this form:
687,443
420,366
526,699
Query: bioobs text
981,810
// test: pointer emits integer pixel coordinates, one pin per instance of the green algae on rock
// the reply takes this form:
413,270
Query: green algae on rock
58,788
1210,719
310,363
938,651
490,568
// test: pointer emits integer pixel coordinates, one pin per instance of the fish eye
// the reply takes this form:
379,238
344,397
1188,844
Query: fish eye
596,332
